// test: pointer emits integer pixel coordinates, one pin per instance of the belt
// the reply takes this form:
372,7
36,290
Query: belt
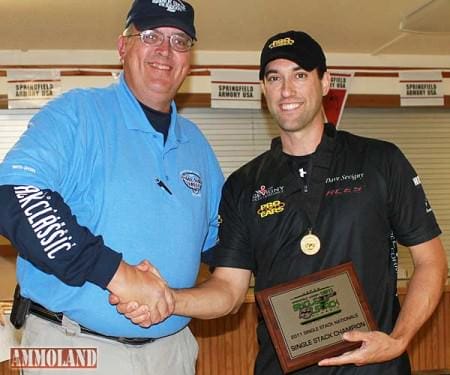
54,317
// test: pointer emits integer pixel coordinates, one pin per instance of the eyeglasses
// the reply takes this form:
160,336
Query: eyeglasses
178,42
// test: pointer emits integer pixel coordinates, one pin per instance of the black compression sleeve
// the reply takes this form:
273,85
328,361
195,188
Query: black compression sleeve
41,227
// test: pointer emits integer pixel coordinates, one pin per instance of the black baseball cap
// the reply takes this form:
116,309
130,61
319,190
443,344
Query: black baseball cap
150,14
296,46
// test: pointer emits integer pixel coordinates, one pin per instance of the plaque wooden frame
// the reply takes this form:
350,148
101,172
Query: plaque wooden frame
343,273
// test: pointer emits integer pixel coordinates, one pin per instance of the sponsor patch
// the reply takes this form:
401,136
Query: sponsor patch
266,192
271,208
417,181
281,43
343,191
192,180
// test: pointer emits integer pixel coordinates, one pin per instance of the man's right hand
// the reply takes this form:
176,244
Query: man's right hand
142,285
221,294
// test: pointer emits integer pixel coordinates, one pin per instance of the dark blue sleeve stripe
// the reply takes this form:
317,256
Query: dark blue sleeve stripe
41,227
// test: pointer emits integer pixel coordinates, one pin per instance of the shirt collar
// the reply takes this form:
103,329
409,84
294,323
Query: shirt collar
325,146
135,118
321,158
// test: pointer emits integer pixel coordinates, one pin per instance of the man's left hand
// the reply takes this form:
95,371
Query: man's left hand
375,347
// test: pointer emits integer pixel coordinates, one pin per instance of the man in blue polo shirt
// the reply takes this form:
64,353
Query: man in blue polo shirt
106,179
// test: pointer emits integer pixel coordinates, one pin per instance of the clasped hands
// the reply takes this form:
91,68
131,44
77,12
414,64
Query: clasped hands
141,294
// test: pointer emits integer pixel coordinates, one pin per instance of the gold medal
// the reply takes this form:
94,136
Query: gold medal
310,244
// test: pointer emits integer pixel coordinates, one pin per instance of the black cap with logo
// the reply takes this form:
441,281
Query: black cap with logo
150,14
296,46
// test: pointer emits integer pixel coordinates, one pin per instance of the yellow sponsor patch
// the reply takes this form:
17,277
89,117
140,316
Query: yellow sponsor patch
281,43
270,208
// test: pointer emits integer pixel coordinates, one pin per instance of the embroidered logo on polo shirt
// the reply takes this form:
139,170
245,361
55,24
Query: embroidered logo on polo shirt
345,177
192,180
270,208
266,192
343,190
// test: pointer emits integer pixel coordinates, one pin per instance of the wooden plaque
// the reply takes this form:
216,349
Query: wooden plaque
307,317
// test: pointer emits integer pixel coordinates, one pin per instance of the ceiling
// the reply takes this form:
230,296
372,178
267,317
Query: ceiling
341,26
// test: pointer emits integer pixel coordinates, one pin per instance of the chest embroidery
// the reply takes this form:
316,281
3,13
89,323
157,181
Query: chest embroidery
270,208
193,181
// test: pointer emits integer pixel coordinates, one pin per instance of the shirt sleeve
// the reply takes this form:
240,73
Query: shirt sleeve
233,248
42,155
43,230
411,215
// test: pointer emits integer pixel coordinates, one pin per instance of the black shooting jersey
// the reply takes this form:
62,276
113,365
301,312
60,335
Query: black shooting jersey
362,195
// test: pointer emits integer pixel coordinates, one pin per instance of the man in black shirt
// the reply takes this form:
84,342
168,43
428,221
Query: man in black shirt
318,198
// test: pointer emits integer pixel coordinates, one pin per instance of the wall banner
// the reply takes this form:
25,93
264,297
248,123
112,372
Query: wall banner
421,88
235,88
32,88
334,102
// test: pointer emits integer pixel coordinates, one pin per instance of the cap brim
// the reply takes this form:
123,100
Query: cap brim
301,63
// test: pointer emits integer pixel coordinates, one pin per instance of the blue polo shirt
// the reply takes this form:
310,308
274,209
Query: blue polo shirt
147,199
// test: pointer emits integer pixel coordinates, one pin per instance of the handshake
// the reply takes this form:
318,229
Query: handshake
141,294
